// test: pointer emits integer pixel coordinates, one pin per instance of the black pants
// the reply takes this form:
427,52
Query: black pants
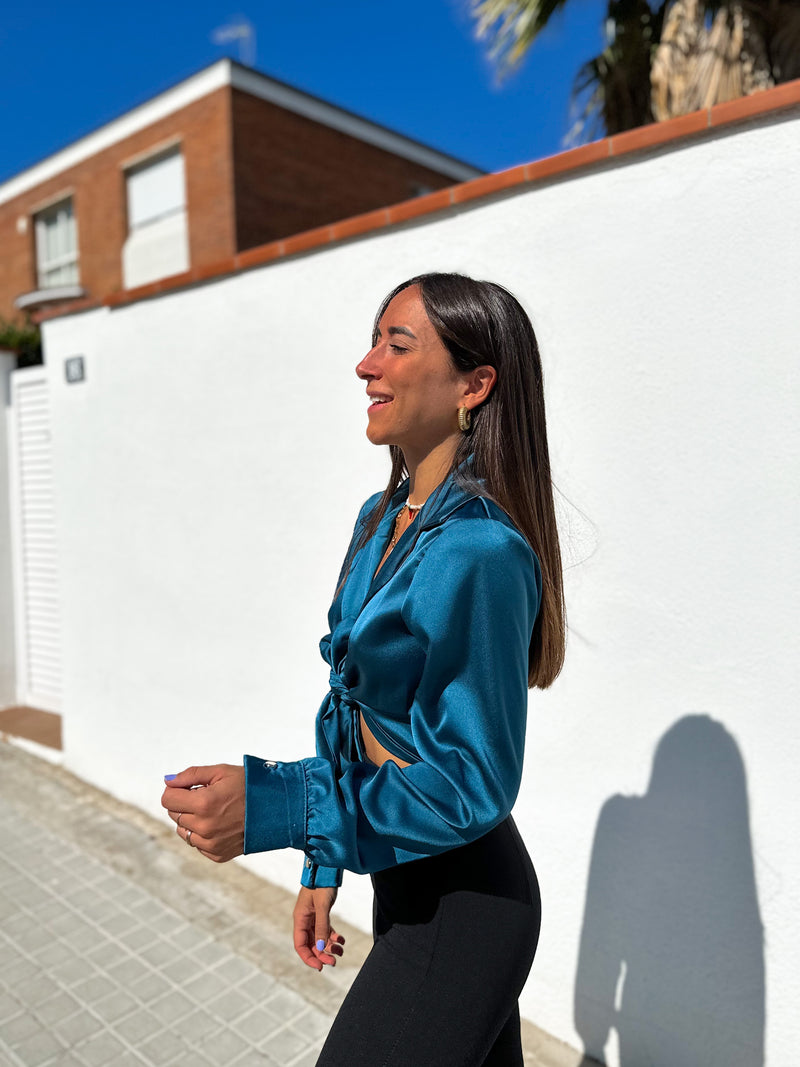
455,936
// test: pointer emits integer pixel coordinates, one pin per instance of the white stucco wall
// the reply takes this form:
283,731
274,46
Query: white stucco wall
210,467
8,691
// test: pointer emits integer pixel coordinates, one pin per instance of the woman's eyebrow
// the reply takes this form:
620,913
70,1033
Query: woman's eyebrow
402,329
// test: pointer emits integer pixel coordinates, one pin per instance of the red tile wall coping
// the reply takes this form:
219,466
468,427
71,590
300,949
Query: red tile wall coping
621,144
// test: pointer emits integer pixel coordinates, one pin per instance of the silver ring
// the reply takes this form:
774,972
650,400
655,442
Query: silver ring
178,820
188,838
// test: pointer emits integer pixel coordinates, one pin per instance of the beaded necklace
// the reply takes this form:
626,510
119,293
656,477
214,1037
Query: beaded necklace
412,510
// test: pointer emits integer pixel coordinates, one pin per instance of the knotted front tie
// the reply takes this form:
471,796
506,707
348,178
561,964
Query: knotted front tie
349,726
337,686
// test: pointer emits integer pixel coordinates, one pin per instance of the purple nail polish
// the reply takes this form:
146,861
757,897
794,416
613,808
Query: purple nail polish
169,777
320,945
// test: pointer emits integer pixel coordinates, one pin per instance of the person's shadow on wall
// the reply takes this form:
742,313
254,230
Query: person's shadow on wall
671,953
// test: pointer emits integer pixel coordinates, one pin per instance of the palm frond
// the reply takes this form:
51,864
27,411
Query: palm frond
512,26
701,61
618,79
658,61
587,114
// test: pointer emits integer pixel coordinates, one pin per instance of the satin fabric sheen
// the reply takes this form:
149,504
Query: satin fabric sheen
433,651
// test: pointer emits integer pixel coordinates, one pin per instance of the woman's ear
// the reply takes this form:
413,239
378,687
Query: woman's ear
479,384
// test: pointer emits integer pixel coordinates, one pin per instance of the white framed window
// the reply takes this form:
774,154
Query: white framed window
156,189
157,244
56,245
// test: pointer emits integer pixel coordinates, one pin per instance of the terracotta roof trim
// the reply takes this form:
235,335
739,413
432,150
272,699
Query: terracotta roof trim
645,138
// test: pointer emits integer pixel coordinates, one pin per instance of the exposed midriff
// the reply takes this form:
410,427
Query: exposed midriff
375,751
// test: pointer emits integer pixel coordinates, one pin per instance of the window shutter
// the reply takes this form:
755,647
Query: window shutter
156,189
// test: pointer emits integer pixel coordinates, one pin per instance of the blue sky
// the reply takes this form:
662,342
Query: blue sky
415,66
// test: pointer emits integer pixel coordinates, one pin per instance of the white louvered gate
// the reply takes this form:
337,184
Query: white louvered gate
38,622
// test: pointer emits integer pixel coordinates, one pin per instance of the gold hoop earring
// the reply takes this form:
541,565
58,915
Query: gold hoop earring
464,418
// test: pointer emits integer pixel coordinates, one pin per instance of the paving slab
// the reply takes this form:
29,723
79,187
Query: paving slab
98,967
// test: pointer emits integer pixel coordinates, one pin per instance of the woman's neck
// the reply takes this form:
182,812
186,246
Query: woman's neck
430,470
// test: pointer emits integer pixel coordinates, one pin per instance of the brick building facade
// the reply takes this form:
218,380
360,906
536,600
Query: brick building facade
227,160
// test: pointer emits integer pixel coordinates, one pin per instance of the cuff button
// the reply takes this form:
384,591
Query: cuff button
270,763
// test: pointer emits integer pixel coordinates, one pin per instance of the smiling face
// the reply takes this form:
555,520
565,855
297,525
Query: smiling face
415,390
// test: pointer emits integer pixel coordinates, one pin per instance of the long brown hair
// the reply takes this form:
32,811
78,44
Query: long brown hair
481,323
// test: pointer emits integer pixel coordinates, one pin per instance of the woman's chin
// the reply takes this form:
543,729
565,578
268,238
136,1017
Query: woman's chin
376,437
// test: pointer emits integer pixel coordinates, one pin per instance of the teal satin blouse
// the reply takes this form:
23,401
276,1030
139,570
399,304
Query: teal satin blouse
433,650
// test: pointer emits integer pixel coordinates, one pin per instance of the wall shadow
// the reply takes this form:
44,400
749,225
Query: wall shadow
671,953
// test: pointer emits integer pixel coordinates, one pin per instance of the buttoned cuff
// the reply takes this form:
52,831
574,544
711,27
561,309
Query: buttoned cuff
316,877
275,805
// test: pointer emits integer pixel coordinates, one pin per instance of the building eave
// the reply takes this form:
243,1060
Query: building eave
225,72
337,118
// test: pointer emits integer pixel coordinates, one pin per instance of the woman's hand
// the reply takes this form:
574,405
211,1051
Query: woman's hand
207,803
312,926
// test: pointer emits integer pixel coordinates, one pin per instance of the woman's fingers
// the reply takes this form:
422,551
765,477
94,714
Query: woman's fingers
205,790
332,946
322,930
182,802
303,935
302,946
220,850
209,803
315,942
325,937
194,776
195,839
303,928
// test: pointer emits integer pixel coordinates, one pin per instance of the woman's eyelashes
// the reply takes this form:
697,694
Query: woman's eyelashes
398,348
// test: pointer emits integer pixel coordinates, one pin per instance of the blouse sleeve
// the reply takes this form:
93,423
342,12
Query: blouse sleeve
471,606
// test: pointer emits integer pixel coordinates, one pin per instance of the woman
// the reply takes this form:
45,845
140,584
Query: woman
449,606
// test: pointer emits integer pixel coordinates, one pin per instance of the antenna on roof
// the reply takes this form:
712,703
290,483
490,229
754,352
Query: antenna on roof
240,29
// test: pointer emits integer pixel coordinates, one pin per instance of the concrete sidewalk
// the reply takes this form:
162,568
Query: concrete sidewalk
119,945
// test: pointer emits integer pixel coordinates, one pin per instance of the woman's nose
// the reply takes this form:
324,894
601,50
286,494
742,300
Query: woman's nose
368,367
